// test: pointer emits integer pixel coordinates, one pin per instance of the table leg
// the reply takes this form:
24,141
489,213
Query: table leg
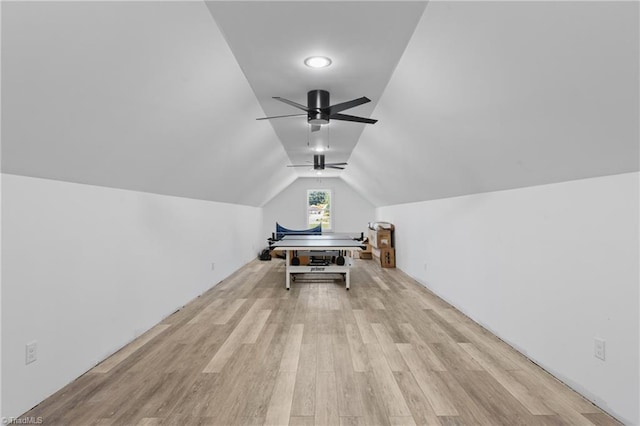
287,274
348,263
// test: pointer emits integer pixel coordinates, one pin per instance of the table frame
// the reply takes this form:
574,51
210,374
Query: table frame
319,244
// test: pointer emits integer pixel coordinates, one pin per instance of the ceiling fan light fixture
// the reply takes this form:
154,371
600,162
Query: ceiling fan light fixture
317,62
319,120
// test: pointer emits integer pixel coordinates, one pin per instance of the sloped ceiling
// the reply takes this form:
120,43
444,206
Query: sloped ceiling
162,96
500,95
270,41
143,96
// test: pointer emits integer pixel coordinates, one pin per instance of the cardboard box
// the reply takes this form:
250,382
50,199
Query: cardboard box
363,254
380,239
366,253
388,258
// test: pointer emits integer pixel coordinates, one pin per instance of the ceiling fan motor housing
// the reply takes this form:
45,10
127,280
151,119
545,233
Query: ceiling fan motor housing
318,104
318,162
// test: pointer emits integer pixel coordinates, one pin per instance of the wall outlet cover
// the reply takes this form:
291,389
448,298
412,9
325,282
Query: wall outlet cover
31,352
599,348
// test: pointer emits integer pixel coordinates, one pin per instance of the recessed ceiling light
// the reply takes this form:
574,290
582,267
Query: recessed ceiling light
317,61
319,149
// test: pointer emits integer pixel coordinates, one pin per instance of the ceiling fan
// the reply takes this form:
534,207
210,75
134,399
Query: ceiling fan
319,164
318,110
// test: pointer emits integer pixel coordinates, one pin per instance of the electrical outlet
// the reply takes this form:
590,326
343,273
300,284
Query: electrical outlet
32,352
213,266
425,266
598,348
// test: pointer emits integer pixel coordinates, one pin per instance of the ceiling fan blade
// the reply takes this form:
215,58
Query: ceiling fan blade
298,165
345,117
349,104
336,164
293,104
315,127
280,116
334,167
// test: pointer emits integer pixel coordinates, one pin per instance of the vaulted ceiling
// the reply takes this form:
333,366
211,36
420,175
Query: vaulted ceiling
270,41
470,96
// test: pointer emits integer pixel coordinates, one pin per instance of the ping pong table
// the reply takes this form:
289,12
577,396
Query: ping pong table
338,246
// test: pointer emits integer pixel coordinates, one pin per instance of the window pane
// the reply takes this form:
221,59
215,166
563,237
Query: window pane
319,208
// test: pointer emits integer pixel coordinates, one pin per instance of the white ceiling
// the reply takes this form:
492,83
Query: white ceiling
144,96
499,95
270,41
162,96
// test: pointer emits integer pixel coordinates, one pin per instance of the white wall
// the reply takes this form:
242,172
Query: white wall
350,213
546,268
1,291
86,269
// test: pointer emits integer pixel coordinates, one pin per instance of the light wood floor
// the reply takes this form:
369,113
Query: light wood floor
387,352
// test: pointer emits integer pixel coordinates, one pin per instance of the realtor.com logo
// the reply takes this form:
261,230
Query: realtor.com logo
22,420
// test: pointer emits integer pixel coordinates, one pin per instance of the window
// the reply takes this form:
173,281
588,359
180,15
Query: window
319,208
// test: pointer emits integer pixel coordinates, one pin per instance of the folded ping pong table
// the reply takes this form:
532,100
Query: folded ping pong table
325,244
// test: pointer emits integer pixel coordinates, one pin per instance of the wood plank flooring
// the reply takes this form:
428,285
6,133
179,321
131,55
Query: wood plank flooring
248,352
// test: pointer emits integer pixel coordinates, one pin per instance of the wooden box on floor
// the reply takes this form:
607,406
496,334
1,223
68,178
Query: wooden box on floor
387,256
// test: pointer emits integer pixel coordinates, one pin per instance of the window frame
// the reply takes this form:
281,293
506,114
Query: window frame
330,226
